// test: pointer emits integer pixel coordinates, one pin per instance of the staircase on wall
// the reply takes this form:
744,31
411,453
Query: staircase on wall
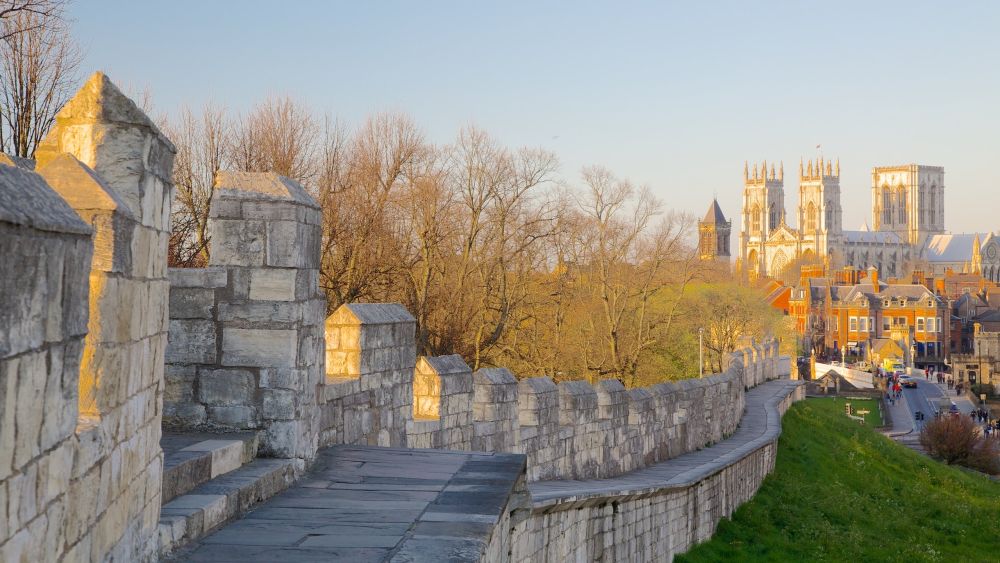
210,479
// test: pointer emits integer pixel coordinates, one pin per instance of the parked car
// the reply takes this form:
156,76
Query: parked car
907,381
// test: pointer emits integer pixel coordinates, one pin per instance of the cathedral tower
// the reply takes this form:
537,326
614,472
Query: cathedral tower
763,212
819,213
909,201
713,235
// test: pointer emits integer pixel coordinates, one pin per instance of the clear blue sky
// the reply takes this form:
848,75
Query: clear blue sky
675,96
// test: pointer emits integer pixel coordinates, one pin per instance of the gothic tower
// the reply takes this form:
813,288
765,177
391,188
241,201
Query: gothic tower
909,201
763,212
713,234
819,213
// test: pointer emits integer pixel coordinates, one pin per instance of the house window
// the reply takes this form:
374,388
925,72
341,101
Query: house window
939,324
920,324
853,324
863,324
871,324
886,324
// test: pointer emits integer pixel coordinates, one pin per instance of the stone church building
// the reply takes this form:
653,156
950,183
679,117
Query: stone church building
906,230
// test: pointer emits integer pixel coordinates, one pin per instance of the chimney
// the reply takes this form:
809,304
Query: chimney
873,276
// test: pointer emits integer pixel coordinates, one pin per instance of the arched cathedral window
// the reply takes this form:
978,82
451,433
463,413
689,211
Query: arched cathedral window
811,217
755,220
902,206
886,205
773,216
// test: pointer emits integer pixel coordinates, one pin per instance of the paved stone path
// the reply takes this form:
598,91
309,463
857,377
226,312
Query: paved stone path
758,426
375,504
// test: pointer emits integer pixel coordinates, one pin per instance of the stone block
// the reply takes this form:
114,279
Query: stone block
197,277
260,314
259,347
183,415
278,404
237,242
191,342
272,284
178,383
191,303
8,409
226,387
31,376
282,378
239,417
283,244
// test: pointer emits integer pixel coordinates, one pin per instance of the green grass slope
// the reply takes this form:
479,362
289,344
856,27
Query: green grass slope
844,492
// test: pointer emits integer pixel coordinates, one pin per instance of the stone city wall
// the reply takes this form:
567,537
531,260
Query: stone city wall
85,307
246,333
82,355
649,525
376,392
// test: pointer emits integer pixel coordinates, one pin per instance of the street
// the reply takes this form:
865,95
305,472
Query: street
926,397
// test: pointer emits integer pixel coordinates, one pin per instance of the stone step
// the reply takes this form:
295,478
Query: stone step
190,459
193,515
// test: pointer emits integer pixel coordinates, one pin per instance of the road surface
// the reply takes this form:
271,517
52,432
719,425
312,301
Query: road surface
926,398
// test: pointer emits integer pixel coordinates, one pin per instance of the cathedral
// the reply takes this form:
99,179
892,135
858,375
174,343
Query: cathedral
906,231
904,216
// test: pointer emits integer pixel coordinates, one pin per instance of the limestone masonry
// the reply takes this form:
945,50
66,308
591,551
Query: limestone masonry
102,349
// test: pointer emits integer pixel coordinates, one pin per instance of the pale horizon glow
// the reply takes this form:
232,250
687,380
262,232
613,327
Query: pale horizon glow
676,97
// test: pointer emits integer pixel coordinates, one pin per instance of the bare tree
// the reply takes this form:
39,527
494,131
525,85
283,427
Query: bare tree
279,135
201,142
11,9
38,72
627,256
360,246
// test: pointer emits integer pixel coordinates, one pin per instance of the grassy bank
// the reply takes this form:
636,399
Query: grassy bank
843,492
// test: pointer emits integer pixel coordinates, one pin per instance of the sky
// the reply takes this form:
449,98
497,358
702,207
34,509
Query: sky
676,96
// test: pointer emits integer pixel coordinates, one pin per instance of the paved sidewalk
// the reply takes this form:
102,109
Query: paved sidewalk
902,419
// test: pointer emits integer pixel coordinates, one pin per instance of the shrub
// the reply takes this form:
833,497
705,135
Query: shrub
956,440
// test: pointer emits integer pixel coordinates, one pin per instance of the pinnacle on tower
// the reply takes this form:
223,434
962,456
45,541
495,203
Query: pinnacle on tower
781,170
838,166
772,171
746,171
801,168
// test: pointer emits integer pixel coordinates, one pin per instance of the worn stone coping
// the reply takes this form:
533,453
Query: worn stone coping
365,503
26,199
760,425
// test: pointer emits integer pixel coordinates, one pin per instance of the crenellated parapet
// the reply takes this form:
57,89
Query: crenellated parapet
570,430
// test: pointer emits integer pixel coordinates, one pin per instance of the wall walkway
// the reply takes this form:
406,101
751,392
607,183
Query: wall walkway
657,512
362,503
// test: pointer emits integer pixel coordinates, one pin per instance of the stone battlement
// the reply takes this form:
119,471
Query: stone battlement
89,375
